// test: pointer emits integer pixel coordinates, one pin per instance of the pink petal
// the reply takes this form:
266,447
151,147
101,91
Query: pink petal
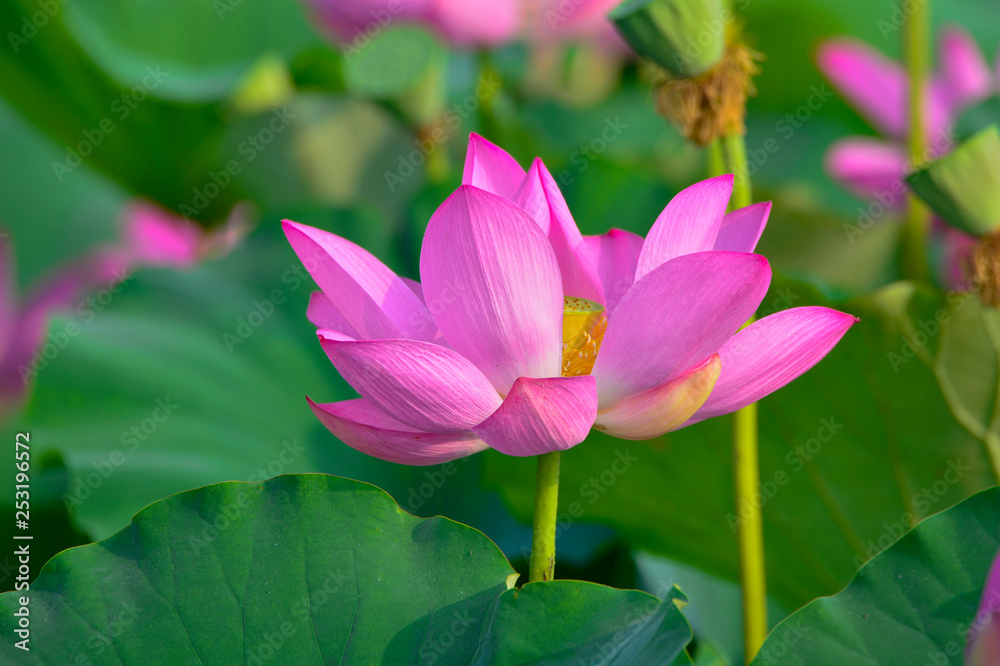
965,77
689,223
674,318
348,20
489,167
875,85
469,22
542,415
152,236
497,280
324,314
377,303
426,386
360,425
540,197
983,646
742,228
870,168
416,288
663,408
615,254
771,352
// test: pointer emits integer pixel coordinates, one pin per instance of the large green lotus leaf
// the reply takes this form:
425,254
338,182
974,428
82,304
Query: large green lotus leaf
853,454
305,569
912,604
207,46
160,148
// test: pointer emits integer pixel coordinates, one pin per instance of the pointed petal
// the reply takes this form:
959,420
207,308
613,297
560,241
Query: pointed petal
542,415
965,77
154,237
363,427
540,197
742,228
423,385
322,313
489,167
771,352
690,223
499,284
870,168
376,301
872,83
663,408
676,317
615,254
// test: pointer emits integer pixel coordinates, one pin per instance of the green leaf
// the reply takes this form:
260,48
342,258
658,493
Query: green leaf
963,187
308,569
912,604
852,454
206,46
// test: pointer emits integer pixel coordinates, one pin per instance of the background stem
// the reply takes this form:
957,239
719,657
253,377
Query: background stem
543,534
913,243
750,531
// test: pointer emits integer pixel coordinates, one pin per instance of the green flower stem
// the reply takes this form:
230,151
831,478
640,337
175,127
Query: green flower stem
543,533
716,158
746,461
913,243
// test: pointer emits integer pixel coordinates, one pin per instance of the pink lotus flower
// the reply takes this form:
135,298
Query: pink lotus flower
878,87
476,22
463,23
983,646
523,334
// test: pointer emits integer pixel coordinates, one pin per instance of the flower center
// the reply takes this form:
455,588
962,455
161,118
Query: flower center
583,329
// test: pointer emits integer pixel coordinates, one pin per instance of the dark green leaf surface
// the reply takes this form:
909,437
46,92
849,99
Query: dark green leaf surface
313,569
912,604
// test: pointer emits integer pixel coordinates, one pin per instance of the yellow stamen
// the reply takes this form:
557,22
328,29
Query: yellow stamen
583,330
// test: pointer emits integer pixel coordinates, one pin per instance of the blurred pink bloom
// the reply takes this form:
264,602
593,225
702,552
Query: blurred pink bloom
149,237
152,236
877,87
568,20
461,22
24,324
983,647
491,348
